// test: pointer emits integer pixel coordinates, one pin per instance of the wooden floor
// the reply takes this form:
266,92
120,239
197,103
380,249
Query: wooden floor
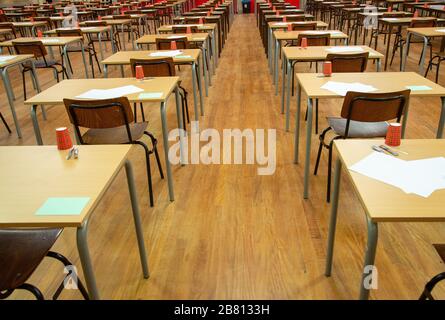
232,234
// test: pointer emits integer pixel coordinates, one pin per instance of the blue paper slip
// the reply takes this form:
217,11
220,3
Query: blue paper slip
150,95
69,206
419,88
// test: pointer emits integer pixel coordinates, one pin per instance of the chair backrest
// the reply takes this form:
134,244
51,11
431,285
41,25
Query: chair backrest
22,250
69,32
275,19
307,26
423,23
99,114
351,62
160,67
180,29
165,44
294,18
373,107
35,48
123,16
320,39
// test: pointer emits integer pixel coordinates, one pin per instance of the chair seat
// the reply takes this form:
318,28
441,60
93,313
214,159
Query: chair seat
358,129
116,135
41,63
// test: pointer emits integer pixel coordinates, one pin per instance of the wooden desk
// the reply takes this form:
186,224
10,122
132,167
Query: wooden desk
311,84
115,23
88,31
50,42
4,67
30,26
189,56
316,53
211,28
74,87
54,176
202,39
383,202
395,22
280,36
426,34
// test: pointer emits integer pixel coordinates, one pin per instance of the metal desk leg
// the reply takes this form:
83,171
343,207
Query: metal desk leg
213,58
132,38
422,59
167,161
37,84
283,85
137,218
122,71
297,124
181,129
369,257
204,73
290,71
307,162
85,260
101,49
379,65
67,64
105,70
405,54
35,124
275,69
441,119
388,44
208,65
83,58
215,47
195,95
201,100
269,48
333,219
123,37
9,94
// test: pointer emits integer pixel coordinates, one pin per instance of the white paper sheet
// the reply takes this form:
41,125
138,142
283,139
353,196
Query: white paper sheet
280,24
109,93
341,88
341,49
440,30
175,37
322,32
6,58
170,53
421,177
50,40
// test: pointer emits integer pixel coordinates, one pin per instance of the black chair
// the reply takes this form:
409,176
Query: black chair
427,292
21,252
363,115
110,121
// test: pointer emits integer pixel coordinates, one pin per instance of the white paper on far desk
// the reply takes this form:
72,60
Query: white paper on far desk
341,88
345,49
170,53
421,177
109,93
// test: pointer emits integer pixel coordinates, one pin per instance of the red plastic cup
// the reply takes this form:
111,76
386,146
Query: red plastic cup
274,9
209,13
188,30
416,14
393,135
99,18
289,27
39,33
389,9
61,14
327,68
278,13
200,21
139,73
284,19
31,19
303,43
426,5
77,24
63,139
173,45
